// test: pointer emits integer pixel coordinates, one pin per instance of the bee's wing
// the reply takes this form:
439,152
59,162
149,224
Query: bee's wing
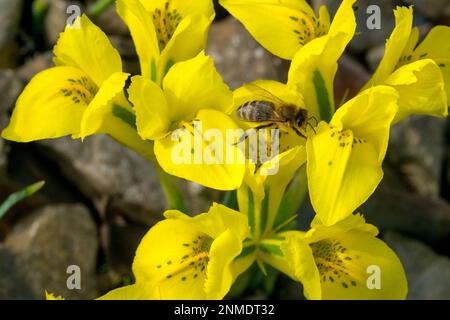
266,94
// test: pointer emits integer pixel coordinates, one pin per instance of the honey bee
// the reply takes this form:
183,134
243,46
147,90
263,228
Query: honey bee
275,111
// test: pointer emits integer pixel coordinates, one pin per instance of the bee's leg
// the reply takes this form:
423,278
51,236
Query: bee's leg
315,120
309,124
246,135
299,133
264,126
241,139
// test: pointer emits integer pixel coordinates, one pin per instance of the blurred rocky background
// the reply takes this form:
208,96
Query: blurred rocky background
100,199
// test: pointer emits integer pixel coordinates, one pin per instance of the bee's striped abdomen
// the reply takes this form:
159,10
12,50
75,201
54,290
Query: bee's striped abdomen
257,111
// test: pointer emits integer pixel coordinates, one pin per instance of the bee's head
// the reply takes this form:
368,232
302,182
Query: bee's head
301,117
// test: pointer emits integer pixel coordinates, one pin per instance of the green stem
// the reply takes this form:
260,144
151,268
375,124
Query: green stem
230,200
98,7
171,189
19,196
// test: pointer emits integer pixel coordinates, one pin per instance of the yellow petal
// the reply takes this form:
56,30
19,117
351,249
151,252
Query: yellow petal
185,8
276,182
89,49
421,89
101,107
223,252
314,66
395,45
319,231
282,27
435,46
194,85
189,258
187,41
299,257
344,261
203,154
51,296
51,105
356,265
138,291
142,29
152,111
344,159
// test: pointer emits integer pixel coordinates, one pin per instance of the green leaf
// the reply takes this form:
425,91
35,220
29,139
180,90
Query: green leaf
98,7
293,197
322,96
124,115
19,196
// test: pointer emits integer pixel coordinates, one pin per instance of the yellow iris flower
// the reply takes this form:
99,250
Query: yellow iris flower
192,95
166,31
285,26
342,261
420,73
345,151
332,262
81,95
186,257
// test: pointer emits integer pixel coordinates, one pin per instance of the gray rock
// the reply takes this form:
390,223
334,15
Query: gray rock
350,78
110,22
428,273
365,37
49,240
114,177
426,218
374,56
3,157
239,58
10,88
35,65
10,13
56,18
12,284
432,8
417,150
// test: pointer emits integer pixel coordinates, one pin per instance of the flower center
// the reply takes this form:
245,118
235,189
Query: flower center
191,265
80,90
308,27
166,21
336,264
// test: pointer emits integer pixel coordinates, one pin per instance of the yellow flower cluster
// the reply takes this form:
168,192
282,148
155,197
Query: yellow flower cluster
335,154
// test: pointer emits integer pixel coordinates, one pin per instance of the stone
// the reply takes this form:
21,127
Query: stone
239,58
110,22
10,88
374,56
423,217
48,241
56,18
35,65
366,38
350,78
12,285
432,8
417,148
10,14
112,176
428,273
